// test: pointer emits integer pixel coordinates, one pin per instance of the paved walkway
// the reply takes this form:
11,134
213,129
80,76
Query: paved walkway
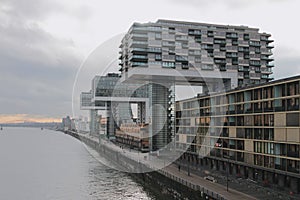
197,180
173,170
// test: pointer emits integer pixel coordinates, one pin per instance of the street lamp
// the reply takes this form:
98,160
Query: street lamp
227,170
188,165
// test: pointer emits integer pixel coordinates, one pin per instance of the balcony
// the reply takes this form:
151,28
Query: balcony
293,169
266,71
232,35
243,69
269,109
208,41
210,34
154,50
267,58
139,50
246,37
138,44
142,29
218,34
293,154
139,64
181,38
138,57
220,41
231,55
292,108
208,47
194,32
219,54
254,43
279,108
280,167
217,61
198,40
265,51
139,36
223,68
255,63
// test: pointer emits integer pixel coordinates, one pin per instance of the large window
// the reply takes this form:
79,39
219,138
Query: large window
293,88
168,64
293,104
292,119
269,134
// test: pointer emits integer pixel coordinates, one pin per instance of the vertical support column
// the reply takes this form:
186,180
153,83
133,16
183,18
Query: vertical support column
162,117
159,105
251,173
141,112
94,125
294,185
110,126
281,180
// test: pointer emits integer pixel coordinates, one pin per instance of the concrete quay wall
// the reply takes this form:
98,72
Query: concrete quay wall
162,181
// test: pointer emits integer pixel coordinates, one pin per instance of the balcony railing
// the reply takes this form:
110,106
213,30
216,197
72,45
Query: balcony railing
293,154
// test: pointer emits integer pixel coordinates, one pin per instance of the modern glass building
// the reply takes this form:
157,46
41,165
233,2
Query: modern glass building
110,95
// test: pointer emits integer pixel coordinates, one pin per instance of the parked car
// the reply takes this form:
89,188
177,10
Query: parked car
210,178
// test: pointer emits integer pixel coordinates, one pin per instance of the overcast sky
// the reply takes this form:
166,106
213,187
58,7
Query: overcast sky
43,43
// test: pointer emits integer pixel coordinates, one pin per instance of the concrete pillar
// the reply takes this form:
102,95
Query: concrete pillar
294,185
242,171
211,161
281,180
214,164
250,173
234,172
270,177
218,164
259,175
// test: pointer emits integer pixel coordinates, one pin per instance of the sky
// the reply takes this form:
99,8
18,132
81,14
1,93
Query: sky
46,44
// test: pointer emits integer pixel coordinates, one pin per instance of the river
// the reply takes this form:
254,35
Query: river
40,164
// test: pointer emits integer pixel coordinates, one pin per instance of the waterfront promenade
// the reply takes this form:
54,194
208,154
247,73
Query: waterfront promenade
197,180
171,171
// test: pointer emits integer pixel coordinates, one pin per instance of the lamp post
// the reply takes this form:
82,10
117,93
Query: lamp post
227,170
189,165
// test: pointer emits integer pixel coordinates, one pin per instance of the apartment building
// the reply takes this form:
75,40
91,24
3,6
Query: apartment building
256,129
240,54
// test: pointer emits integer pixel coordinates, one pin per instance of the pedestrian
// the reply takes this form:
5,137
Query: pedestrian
178,167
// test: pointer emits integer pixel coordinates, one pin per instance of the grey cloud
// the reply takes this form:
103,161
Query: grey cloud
21,10
29,9
37,69
228,3
286,67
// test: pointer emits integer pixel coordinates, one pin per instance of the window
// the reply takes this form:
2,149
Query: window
157,36
293,89
258,133
198,59
292,119
293,104
248,132
246,37
168,64
158,57
207,67
181,58
240,133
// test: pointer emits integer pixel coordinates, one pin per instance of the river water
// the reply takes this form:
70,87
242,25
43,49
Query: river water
40,164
